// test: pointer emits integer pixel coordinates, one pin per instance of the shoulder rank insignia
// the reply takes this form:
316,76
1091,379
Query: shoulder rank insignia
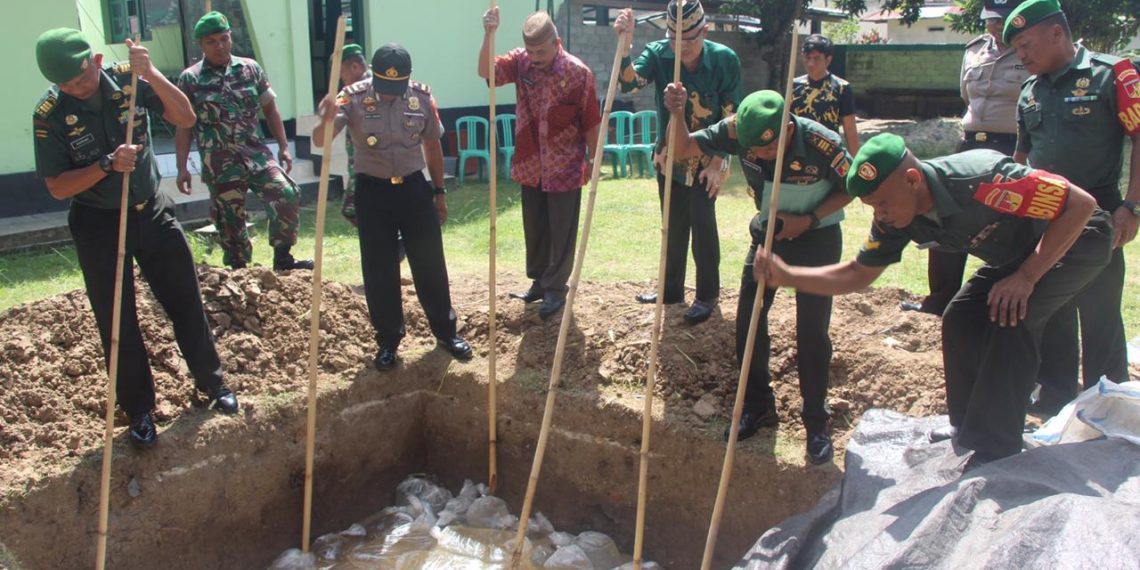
822,143
47,104
421,87
122,68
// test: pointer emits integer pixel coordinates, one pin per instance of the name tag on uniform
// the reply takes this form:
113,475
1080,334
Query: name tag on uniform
928,245
83,141
416,115
751,165
1082,99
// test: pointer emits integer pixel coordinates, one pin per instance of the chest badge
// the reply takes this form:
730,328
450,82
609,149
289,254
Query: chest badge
77,131
369,101
1083,83
371,140
1081,111
117,95
370,108
795,165
71,120
812,170
1080,92
414,103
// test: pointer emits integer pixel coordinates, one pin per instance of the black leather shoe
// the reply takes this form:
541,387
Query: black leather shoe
942,434
751,422
143,432
287,262
457,347
385,359
550,307
698,313
223,399
532,295
910,306
819,448
651,299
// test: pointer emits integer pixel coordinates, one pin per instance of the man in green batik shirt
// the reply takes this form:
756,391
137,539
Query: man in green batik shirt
1070,122
711,74
227,92
807,231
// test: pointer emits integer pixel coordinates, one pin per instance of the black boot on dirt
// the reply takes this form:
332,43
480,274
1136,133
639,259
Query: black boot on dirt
143,431
284,261
532,295
223,399
751,422
698,313
385,359
819,448
651,299
457,347
550,307
943,433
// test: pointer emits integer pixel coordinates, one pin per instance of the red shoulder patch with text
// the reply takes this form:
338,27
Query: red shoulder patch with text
1040,195
1128,96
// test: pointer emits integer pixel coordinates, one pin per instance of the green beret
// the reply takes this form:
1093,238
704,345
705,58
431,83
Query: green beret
351,50
758,118
211,23
876,160
62,54
1026,16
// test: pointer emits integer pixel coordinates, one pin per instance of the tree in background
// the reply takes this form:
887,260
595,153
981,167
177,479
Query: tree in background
842,32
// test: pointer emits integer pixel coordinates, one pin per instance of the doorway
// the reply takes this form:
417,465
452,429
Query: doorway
322,36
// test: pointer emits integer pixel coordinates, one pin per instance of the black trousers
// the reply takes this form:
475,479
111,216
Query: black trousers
691,211
990,369
550,229
1101,339
945,270
156,242
813,248
384,212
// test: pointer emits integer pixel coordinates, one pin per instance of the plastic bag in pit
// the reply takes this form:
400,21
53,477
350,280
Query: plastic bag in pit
490,512
569,558
600,549
1107,409
294,559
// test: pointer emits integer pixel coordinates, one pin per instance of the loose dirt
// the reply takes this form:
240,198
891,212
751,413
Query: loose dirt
51,367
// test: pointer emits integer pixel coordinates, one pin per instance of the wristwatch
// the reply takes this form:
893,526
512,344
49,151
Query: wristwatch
1132,207
440,190
814,220
107,164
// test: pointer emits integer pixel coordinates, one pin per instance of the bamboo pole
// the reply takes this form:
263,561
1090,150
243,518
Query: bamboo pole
492,329
757,306
116,320
315,305
209,6
655,338
567,314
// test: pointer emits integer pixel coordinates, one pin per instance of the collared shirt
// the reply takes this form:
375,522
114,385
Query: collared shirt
1067,123
714,91
990,83
388,135
815,166
825,101
962,222
73,133
227,100
555,108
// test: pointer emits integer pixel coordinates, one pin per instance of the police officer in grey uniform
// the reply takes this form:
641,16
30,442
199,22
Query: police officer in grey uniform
393,124
990,83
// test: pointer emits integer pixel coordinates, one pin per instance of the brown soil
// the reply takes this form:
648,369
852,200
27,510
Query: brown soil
52,403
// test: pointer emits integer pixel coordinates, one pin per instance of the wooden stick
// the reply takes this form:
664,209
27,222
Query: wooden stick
655,336
209,6
492,329
315,305
757,306
116,320
567,315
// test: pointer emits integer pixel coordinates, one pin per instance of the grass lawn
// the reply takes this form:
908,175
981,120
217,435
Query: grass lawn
624,244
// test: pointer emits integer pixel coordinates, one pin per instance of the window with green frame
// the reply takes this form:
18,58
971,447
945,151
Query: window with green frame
124,19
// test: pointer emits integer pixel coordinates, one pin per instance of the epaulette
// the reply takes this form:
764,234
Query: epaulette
123,68
421,87
977,40
47,103
1102,58
822,143
358,87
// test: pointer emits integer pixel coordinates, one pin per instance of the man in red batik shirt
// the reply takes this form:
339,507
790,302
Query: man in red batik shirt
555,131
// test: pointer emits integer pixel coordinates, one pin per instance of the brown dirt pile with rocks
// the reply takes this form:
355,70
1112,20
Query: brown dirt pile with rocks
52,380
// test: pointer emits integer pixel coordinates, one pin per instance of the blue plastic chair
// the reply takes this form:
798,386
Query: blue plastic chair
506,126
471,134
619,148
644,139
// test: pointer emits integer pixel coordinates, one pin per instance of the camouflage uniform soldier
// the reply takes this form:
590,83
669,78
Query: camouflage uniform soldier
227,92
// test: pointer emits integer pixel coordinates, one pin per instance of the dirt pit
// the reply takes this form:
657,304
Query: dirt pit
214,478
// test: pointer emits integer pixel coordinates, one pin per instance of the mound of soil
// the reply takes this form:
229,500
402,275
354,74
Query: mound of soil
51,366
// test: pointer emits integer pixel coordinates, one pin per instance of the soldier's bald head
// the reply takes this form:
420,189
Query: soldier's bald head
539,28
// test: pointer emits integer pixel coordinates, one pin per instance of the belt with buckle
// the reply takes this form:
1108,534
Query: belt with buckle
981,137
396,180
141,205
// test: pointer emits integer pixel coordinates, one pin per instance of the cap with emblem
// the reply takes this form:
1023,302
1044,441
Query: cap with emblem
351,50
62,54
998,8
391,68
211,23
1027,15
876,160
758,118
692,15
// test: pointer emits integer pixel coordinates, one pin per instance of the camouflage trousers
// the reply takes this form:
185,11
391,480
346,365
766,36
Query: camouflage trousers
348,206
227,209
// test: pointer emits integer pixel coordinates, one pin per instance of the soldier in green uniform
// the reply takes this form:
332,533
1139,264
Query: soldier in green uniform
1072,118
353,68
227,92
1042,240
80,133
395,126
807,231
711,73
